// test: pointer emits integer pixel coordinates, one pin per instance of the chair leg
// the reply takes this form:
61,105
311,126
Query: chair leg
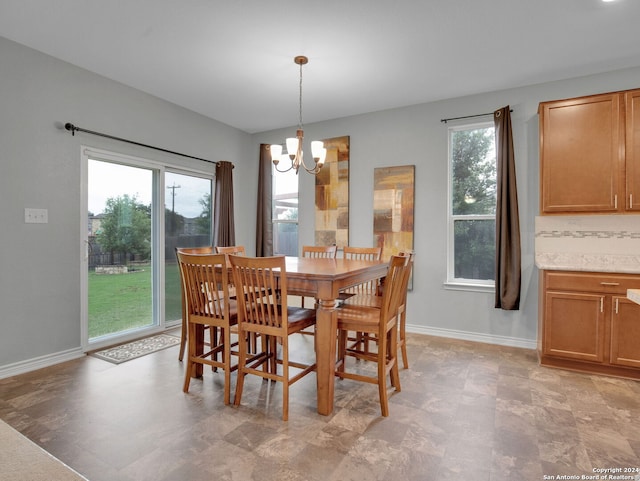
285,379
403,340
393,357
226,356
273,354
242,360
382,383
213,336
188,371
183,337
342,350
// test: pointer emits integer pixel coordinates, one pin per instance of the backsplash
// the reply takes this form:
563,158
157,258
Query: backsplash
607,243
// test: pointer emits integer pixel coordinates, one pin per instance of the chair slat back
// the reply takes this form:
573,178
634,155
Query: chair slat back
195,250
205,284
319,251
394,289
259,290
368,254
410,255
362,253
233,250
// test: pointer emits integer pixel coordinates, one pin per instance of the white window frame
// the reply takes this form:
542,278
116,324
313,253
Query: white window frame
158,231
452,282
274,220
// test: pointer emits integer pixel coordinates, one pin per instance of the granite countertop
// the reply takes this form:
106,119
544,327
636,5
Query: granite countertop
565,261
634,295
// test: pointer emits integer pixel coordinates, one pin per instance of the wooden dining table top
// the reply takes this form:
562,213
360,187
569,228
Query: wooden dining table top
304,274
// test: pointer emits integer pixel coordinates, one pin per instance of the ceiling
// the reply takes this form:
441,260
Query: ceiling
232,60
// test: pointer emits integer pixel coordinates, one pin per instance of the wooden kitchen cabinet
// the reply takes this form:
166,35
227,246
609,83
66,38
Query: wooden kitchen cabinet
632,149
590,154
588,324
625,332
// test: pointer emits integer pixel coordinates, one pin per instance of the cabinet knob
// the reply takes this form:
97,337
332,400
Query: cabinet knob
609,283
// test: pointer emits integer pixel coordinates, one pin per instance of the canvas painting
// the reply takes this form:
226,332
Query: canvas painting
393,197
332,195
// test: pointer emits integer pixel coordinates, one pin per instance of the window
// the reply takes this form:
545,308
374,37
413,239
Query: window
285,213
135,212
472,206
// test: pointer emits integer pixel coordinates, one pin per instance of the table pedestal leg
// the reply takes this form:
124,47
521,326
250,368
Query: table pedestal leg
326,328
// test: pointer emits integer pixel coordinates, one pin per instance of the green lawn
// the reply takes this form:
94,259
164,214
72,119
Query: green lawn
118,302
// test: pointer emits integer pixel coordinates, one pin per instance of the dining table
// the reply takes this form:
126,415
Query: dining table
324,279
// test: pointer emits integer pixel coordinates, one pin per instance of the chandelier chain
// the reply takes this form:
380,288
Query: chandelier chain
300,100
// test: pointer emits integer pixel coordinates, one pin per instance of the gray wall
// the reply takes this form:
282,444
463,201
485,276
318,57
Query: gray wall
415,135
40,167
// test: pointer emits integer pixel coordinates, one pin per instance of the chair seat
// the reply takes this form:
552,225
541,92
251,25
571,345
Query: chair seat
300,317
233,309
365,300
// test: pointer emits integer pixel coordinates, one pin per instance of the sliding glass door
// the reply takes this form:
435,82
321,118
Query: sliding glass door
120,249
187,224
137,212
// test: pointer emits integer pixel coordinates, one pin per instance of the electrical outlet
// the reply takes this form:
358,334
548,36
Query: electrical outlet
36,216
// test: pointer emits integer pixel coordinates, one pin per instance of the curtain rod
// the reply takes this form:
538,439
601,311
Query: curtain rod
468,116
73,129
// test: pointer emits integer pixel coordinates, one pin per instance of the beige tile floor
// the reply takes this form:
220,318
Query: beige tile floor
467,411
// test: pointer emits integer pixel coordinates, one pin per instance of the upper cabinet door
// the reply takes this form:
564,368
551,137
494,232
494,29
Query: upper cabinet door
582,154
632,104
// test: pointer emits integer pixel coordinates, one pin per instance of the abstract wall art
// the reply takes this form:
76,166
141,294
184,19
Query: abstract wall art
332,195
393,198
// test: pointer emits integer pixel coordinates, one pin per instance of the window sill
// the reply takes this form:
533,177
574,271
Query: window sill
467,286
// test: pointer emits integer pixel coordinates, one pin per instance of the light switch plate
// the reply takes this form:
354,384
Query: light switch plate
36,216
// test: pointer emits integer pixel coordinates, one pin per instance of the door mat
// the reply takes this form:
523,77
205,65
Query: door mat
135,349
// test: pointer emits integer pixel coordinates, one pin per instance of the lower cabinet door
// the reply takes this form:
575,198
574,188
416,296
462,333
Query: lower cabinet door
574,326
625,332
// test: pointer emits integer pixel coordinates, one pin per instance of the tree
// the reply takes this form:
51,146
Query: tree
126,227
474,172
474,193
203,222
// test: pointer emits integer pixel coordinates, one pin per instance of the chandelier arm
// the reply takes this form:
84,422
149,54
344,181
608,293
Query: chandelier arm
285,170
314,170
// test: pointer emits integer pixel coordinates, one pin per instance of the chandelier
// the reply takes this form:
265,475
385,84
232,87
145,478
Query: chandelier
294,144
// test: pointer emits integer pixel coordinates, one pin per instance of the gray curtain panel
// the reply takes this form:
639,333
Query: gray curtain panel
224,232
264,224
508,269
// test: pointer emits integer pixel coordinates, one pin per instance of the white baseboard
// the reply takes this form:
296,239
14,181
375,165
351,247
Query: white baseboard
473,336
28,365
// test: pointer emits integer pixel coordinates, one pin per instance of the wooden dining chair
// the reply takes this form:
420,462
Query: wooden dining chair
318,252
263,311
402,323
367,254
183,330
206,291
369,288
381,322
373,300
235,250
